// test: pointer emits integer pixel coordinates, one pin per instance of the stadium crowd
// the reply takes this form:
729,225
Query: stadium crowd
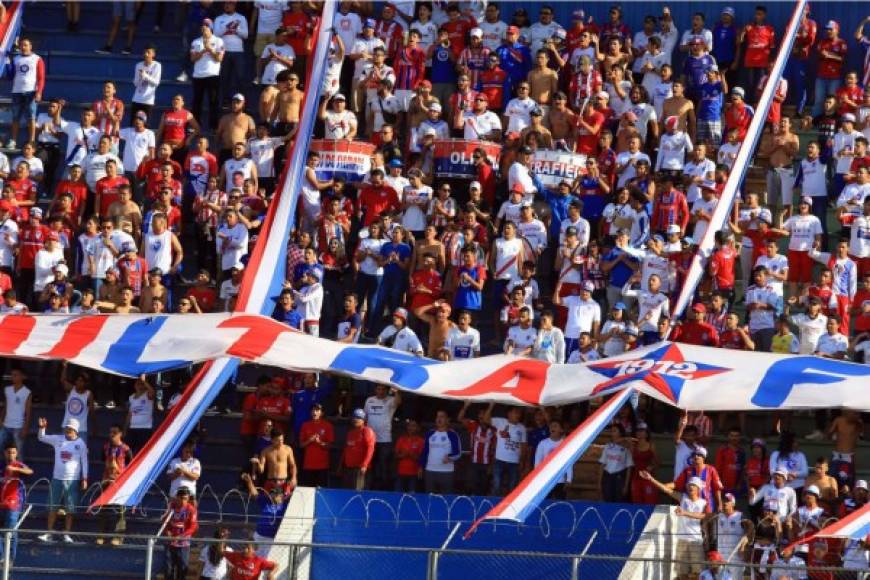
154,208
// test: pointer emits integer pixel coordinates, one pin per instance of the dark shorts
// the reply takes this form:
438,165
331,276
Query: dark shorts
24,106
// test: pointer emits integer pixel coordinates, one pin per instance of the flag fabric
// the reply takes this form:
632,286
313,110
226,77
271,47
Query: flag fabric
687,376
855,526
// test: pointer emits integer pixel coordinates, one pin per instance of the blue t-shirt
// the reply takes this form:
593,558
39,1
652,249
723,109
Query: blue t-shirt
271,514
467,296
443,71
711,102
516,61
291,318
620,274
393,268
695,69
724,39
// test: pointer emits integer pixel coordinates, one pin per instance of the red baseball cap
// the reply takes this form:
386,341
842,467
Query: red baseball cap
5,205
513,29
53,237
699,307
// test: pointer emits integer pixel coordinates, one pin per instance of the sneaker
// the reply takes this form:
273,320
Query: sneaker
117,541
816,435
110,405
127,50
67,539
256,80
105,50
11,144
160,406
45,538
211,411
100,541
182,78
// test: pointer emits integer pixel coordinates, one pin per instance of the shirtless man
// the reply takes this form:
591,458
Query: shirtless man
780,148
543,81
234,127
437,316
829,490
560,120
267,101
277,463
845,431
681,108
124,305
125,213
284,116
545,138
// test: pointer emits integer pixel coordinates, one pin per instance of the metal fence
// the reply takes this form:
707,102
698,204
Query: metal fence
300,561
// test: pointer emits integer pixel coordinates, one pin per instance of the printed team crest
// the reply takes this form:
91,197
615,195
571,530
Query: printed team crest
665,370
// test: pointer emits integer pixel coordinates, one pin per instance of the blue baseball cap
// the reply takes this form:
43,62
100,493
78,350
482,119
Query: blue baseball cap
619,306
369,23
359,414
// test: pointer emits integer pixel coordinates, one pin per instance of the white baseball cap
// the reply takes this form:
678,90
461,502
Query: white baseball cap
476,32
696,481
72,424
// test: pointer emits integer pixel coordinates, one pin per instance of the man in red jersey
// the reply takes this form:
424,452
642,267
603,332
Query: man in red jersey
723,267
356,458
315,438
457,28
760,40
460,101
247,564
376,198
738,115
76,186
735,336
832,52
165,180
31,239
149,171
109,110
107,188
390,31
25,190
174,124
299,27
590,123
181,526
731,462
696,331
12,492
199,165
493,82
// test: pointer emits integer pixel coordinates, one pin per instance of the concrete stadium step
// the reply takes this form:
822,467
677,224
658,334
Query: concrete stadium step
114,66
89,88
102,562
92,39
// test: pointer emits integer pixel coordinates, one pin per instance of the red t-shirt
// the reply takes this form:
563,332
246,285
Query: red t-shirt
854,94
298,26
373,201
206,297
174,125
731,339
722,266
249,426
244,567
432,281
412,447
728,467
107,189
806,38
759,43
30,240
25,190
860,321
5,284
828,67
360,447
738,118
457,32
587,141
10,493
79,190
276,405
699,333
316,457
757,471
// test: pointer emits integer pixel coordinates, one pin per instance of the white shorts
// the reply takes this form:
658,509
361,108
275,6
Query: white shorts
405,96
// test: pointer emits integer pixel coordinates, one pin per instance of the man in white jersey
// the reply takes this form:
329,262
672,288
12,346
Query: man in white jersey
28,82
339,122
79,401
653,306
584,314
16,412
805,233
776,265
463,341
69,476
480,124
139,143
859,239
380,409
811,324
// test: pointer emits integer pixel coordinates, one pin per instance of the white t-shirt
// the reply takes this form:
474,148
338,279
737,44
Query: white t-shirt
137,144
209,570
371,247
44,263
615,458
274,66
80,142
338,125
146,79
16,405
803,230
831,344
347,26
463,344
616,344
629,172
521,338
233,30
476,126
8,241
509,439
546,447
708,207
778,264
493,33
519,113
234,241
95,168
228,290
206,66
269,14
859,240
417,201
262,153
379,416
581,315
672,151
689,528
404,340
704,168
141,411
70,457
192,465
682,453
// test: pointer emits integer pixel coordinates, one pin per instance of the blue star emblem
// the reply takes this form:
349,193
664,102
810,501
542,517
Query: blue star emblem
664,369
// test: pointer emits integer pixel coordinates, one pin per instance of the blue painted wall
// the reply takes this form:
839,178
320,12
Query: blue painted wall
391,519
